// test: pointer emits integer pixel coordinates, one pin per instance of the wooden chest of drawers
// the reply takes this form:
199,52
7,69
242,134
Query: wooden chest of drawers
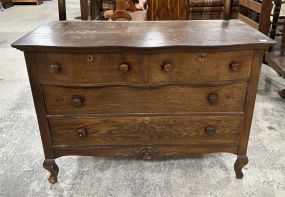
149,90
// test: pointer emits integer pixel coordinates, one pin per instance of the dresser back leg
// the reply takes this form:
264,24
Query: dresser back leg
50,165
241,161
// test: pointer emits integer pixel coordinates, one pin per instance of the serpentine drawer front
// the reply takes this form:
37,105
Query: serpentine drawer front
136,90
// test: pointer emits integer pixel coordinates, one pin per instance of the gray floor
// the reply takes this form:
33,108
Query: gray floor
21,155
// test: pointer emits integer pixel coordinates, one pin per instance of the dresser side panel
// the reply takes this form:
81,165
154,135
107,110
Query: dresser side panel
36,88
250,100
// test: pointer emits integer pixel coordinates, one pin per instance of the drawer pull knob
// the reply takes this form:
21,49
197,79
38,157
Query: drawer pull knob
82,132
210,130
146,120
90,58
167,67
213,99
124,68
235,66
77,101
54,68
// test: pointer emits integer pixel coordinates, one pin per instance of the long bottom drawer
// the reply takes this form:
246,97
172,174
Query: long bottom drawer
152,130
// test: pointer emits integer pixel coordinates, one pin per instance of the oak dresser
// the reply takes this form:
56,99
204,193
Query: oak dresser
147,90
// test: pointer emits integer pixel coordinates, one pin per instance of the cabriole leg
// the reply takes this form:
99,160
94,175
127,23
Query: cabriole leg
241,161
50,165
282,93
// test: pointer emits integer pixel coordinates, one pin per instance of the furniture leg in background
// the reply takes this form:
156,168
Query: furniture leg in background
1,7
4,4
276,60
38,2
276,14
62,10
90,9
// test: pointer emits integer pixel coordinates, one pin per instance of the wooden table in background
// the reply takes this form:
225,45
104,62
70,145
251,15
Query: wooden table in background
38,2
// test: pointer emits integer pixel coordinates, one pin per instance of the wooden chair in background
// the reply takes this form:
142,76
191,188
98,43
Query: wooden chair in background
276,60
276,19
256,14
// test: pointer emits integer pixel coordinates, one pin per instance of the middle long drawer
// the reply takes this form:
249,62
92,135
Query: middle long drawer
164,99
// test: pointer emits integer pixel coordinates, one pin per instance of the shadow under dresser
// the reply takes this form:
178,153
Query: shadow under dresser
148,90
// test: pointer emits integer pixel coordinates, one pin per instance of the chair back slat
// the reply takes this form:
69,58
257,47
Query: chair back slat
256,13
253,5
248,21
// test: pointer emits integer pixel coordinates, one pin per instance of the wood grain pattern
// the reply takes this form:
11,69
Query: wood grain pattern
183,88
145,130
199,67
250,100
167,9
148,68
97,36
91,68
262,9
39,104
165,151
166,99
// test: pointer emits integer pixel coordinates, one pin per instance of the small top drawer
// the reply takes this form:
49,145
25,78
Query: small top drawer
90,68
200,67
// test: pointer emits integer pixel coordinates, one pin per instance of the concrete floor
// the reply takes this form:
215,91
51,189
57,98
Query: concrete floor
21,155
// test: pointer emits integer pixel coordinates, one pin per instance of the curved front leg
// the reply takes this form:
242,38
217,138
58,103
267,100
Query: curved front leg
50,165
282,93
241,161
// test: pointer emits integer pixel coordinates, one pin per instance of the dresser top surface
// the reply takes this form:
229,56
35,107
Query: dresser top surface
204,34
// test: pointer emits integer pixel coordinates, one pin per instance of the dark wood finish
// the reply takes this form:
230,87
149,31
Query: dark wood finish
176,9
167,10
228,7
151,130
161,99
50,165
37,2
205,64
241,161
275,18
84,9
56,36
100,91
262,9
36,87
129,67
157,152
92,67
61,10
282,93
6,3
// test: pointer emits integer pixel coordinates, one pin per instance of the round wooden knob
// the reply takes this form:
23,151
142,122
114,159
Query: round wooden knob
82,132
77,101
90,58
124,68
167,67
210,130
213,99
146,120
235,66
54,68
